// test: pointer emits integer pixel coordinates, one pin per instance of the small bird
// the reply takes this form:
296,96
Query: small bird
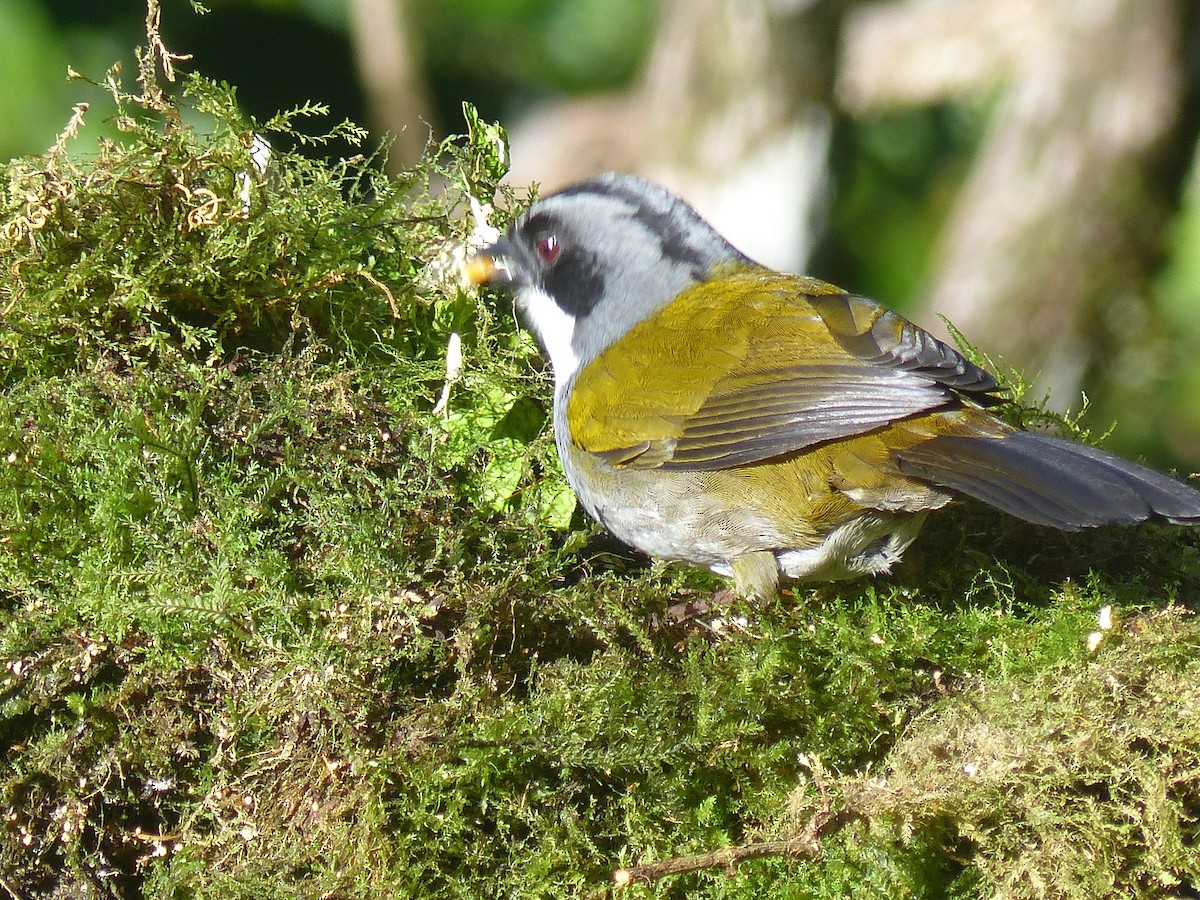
712,411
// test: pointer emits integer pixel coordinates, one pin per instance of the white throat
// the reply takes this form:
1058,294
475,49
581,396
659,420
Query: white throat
555,328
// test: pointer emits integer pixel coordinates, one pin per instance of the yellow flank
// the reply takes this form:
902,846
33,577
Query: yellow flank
810,493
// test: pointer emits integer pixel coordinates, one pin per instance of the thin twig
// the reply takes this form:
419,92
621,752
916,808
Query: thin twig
804,845
68,134
156,55
165,57
9,889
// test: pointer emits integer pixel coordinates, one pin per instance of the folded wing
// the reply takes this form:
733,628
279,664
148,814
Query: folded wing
758,365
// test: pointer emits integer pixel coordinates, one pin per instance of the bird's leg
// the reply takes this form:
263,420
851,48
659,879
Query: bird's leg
756,575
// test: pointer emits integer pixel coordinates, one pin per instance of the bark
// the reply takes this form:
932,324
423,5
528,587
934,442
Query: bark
1047,255
397,97
731,112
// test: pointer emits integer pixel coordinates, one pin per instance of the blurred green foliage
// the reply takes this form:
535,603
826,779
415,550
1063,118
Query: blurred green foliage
896,177
506,53
1178,296
33,65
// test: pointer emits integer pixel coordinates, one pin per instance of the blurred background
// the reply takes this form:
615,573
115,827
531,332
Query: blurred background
1026,169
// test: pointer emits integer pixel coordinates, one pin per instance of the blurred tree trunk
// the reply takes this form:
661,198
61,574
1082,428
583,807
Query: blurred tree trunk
736,97
397,97
732,111
1047,256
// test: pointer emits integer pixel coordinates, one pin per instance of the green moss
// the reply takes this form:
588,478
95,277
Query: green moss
1075,780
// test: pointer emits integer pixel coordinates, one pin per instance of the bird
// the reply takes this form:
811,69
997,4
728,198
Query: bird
767,426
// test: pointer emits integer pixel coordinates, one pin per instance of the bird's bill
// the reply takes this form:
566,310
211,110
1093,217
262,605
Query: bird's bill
486,268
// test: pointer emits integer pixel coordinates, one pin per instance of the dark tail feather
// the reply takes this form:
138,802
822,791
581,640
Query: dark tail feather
1049,481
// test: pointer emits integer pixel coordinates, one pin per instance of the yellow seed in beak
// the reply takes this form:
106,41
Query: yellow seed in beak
481,269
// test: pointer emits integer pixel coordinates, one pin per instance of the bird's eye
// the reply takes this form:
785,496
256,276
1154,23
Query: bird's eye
547,248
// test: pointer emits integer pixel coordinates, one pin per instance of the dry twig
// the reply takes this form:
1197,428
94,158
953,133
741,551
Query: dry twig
806,844
802,844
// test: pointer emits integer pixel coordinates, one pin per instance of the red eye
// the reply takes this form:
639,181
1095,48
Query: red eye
547,248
